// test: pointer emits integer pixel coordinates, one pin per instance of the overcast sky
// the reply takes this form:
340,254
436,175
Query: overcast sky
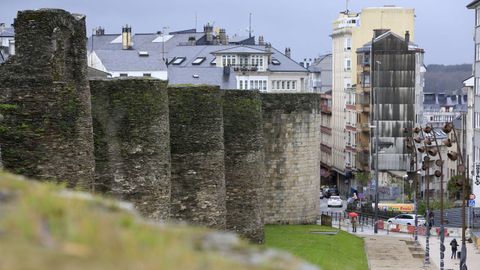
444,28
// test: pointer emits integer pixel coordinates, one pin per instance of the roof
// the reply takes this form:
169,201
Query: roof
7,31
129,60
108,49
201,75
473,4
367,46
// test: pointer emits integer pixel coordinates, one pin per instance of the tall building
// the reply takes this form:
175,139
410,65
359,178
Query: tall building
389,88
475,5
351,31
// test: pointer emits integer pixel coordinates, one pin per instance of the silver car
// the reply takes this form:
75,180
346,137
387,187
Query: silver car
335,201
407,219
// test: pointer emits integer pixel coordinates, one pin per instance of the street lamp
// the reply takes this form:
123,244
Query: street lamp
376,111
452,155
414,160
426,165
439,173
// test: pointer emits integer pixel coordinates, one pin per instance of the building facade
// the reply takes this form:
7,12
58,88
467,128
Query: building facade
351,31
475,175
191,57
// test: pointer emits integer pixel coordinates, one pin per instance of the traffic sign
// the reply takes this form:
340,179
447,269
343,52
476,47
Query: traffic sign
471,203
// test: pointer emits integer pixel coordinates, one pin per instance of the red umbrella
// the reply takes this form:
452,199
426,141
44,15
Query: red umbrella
352,214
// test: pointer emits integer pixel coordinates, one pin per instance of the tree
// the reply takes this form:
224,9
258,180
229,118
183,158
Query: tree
455,188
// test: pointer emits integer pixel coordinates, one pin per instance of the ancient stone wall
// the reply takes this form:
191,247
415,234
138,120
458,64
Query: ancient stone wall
45,127
132,142
197,149
244,163
292,158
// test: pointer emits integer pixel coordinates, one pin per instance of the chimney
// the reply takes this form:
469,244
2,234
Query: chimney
288,52
379,32
208,29
223,37
11,47
100,31
268,48
261,41
191,41
126,37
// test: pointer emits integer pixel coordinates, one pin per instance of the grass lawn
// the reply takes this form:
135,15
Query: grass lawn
342,251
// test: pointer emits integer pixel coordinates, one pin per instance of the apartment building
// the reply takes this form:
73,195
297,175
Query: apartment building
475,5
352,30
390,75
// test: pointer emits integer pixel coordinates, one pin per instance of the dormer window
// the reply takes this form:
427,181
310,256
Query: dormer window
142,53
275,62
178,60
213,62
198,61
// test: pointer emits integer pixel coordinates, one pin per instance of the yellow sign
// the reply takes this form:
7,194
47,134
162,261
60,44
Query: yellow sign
397,207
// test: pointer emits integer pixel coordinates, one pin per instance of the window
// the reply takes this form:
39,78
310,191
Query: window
288,85
477,13
477,52
283,84
477,86
294,85
251,85
275,62
147,74
348,64
241,84
198,60
477,120
265,85
214,61
348,44
143,53
273,84
123,75
366,79
278,84
177,60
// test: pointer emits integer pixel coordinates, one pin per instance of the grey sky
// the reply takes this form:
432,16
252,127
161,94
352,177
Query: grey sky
444,28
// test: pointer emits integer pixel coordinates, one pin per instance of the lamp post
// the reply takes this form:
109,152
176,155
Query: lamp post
448,128
377,64
414,160
426,166
439,173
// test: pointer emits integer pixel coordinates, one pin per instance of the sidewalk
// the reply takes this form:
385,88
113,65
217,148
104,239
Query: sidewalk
473,256
392,253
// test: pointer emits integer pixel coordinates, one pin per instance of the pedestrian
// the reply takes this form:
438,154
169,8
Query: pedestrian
353,221
454,246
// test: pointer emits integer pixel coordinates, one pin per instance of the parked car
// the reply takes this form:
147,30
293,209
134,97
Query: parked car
335,201
407,219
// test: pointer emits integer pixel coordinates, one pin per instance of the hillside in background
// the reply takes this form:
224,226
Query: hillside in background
441,78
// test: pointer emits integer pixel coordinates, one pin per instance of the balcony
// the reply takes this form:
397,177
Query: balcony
364,127
244,68
326,109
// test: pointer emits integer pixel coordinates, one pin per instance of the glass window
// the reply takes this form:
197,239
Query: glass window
348,64
477,52
251,85
283,84
294,85
147,74
477,86
477,21
265,85
288,85
241,84
178,60
198,60
123,75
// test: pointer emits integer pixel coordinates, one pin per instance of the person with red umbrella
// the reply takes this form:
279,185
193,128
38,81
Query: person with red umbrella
353,219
